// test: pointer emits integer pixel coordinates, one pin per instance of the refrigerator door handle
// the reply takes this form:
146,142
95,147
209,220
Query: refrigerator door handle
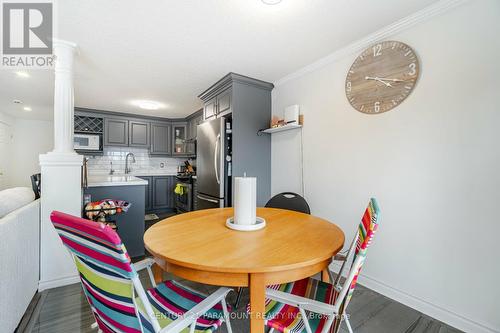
216,155
207,199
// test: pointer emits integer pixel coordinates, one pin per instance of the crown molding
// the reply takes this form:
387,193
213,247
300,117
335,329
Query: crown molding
422,15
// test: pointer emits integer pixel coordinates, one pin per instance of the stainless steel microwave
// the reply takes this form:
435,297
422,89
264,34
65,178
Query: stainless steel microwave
87,142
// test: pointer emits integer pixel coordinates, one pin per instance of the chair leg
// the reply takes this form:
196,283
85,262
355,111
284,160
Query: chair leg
328,323
192,328
238,298
226,316
348,324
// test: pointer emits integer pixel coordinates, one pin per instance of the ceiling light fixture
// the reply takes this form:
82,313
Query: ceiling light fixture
27,108
23,74
148,105
271,2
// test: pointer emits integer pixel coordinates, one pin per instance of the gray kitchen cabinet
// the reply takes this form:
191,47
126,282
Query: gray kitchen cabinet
163,192
130,225
139,134
218,105
161,139
224,103
115,132
192,134
179,137
210,109
148,195
195,194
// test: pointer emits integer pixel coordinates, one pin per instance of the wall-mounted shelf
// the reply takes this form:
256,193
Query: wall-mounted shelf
281,128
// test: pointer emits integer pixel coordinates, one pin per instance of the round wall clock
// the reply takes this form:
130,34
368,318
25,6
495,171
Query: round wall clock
382,77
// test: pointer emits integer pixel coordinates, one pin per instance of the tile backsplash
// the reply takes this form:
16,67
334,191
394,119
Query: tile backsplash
143,161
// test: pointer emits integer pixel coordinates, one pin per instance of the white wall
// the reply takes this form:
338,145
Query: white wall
30,139
5,149
433,163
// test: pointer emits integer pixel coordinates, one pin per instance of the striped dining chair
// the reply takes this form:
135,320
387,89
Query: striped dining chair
320,303
116,296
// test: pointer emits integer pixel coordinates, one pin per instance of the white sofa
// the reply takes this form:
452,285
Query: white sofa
19,263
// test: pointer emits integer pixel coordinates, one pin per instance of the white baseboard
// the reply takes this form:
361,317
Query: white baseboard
49,284
435,311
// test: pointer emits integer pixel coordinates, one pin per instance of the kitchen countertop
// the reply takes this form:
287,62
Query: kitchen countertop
138,173
114,180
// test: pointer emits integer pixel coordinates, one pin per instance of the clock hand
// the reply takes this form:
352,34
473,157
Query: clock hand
379,80
393,80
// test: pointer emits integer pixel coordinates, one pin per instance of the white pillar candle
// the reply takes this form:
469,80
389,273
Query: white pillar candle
245,200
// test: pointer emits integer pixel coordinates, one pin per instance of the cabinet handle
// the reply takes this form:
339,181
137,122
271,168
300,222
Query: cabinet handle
207,199
216,156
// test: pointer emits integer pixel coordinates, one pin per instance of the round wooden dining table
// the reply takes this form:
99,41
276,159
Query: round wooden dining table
198,246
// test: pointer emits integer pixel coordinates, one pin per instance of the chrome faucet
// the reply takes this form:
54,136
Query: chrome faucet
111,170
127,168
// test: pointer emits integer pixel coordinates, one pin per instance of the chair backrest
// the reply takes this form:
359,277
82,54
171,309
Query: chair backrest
105,271
290,201
366,231
36,183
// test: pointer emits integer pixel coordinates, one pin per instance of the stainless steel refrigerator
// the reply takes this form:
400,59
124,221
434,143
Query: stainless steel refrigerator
213,161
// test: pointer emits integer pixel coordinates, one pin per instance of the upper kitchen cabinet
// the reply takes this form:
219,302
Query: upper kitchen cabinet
210,108
224,103
217,101
193,121
218,105
116,132
139,134
161,139
179,137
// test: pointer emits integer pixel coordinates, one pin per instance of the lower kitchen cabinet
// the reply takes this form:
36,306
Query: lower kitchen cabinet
159,195
130,224
163,192
147,198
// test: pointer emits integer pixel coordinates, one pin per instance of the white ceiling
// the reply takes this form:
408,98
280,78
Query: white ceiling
170,51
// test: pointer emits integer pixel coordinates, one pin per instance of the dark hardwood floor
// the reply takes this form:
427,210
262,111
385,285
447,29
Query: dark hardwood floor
65,309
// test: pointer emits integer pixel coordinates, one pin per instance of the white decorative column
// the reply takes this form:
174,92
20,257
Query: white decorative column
63,97
61,175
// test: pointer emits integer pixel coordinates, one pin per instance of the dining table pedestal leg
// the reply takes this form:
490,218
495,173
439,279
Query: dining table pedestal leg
157,273
325,276
257,302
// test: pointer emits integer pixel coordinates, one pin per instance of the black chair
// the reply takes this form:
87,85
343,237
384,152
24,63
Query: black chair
290,201
285,200
36,183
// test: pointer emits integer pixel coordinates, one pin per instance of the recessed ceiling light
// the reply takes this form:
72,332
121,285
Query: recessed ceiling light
271,2
148,105
27,108
23,74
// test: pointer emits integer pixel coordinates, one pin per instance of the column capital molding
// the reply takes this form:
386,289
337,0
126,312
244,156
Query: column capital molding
60,159
65,44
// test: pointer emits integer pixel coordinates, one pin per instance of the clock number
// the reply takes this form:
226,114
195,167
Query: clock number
376,107
377,50
413,68
349,86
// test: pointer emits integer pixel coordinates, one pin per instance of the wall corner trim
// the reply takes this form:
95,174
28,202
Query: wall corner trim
422,15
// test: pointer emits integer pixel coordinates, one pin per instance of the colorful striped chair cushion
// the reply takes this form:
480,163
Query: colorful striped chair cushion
286,318
106,274
172,299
